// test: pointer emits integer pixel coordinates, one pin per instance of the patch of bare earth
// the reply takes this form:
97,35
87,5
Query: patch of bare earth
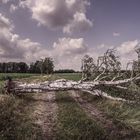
45,113
111,129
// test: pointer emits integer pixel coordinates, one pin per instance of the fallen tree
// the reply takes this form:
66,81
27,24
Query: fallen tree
63,84
105,72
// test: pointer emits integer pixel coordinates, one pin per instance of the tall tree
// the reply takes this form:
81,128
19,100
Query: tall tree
48,66
40,65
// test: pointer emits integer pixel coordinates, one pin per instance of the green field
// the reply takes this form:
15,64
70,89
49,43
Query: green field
70,76
15,75
73,120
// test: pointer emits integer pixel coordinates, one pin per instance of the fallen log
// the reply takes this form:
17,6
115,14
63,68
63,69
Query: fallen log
63,84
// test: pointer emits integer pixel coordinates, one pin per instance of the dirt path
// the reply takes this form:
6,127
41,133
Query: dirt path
112,129
45,113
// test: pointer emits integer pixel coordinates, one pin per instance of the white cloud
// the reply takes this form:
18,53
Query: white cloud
13,8
5,1
69,46
12,47
116,34
127,47
5,23
13,4
66,14
68,52
127,52
79,23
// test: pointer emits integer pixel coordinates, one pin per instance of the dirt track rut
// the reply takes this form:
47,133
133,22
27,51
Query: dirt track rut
45,113
111,129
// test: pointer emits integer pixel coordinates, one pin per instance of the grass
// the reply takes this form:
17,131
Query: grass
73,123
69,76
127,116
36,79
15,75
15,121
1,86
131,93
56,76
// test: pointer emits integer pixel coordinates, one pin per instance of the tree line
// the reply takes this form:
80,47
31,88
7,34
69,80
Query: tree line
43,66
65,71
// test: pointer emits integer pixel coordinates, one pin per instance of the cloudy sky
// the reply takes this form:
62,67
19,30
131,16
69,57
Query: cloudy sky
66,30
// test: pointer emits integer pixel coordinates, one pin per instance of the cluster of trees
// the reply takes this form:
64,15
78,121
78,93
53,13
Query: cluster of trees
14,67
40,66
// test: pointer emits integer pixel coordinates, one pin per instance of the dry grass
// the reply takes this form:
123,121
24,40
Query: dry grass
15,121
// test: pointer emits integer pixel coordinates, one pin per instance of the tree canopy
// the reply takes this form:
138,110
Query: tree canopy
45,66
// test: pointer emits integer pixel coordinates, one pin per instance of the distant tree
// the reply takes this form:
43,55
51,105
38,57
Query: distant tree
15,67
40,66
36,67
31,68
4,69
48,66
22,67
65,71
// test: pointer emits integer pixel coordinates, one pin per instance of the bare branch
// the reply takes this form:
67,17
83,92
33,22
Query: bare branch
99,75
